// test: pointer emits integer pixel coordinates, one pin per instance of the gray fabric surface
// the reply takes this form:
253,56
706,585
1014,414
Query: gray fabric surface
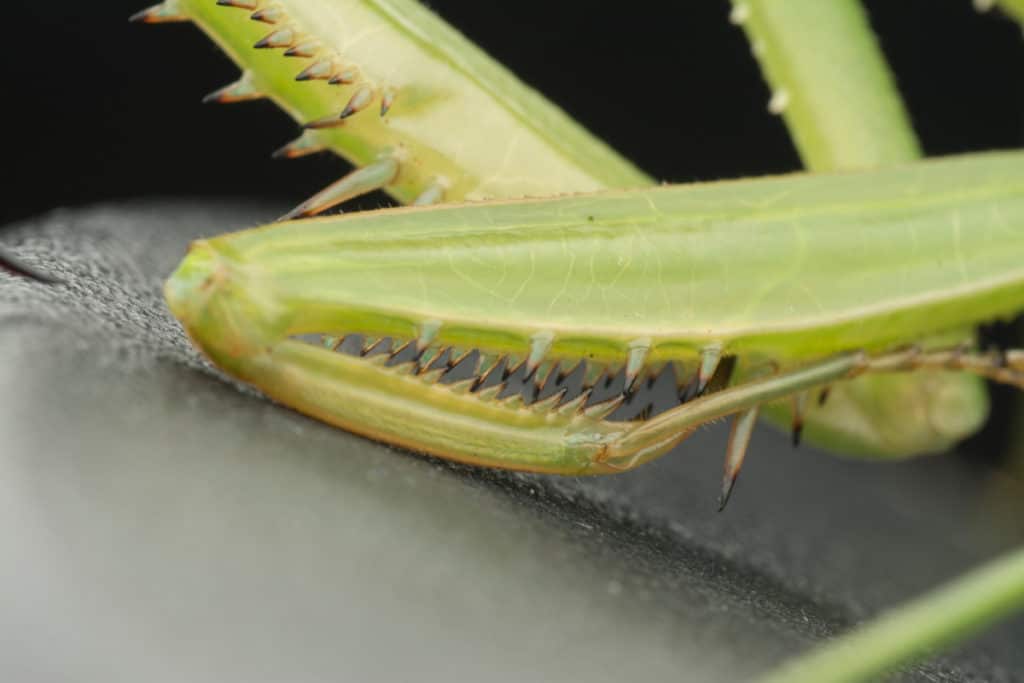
161,523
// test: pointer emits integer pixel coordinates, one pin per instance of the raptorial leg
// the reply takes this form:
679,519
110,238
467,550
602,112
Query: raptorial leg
652,438
1005,367
659,434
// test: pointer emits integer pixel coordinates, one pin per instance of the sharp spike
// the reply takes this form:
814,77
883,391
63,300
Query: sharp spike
686,382
321,69
374,345
573,406
723,375
427,357
307,49
600,411
488,363
432,376
164,13
359,101
710,356
546,373
799,407
593,373
347,75
240,4
611,374
548,404
381,359
457,355
490,393
282,37
680,373
10,265
405,368
268,15
514,402
325,122
736,451
512,365
401,348
654,372
433,194
635,361
563,374
540,344
387,100
304,145
823,396
463,386
351,342
358,182
241,90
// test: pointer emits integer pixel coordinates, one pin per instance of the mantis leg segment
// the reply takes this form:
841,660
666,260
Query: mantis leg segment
654,437
372,177
736,451
400,406
1005,367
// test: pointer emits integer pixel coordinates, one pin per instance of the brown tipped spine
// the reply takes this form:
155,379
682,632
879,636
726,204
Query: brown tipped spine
281,38
164,13
375,176
240,4
736,452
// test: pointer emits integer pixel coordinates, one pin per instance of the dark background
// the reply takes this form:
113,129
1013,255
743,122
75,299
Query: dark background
97,108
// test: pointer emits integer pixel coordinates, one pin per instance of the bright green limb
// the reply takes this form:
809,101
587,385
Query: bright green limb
941,618
829,82
411,88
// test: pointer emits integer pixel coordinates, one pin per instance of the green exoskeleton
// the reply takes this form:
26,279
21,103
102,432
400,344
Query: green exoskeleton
756,293
426,116
422,78
632,279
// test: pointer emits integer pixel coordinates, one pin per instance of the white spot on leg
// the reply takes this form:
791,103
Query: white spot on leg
740,13
779,101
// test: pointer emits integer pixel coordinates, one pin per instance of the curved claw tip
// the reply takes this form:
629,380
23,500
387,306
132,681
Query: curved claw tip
728,483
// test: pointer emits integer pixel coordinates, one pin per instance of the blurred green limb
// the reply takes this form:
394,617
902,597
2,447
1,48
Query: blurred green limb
830,82
1013,8
832,87
939,619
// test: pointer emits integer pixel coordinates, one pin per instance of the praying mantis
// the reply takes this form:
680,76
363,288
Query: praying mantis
387,85
244,298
